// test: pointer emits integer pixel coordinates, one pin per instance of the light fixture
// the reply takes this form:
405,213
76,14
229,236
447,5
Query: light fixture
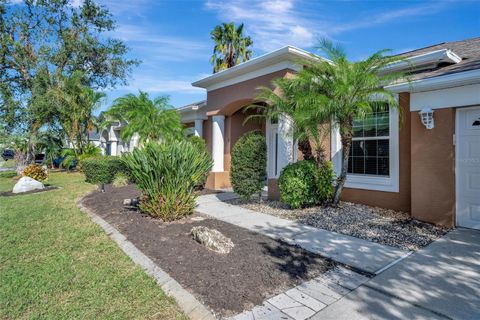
426,116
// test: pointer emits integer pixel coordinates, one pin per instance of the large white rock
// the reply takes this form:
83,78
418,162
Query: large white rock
212,239
27,184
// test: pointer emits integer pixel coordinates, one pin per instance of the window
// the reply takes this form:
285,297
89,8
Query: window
370,150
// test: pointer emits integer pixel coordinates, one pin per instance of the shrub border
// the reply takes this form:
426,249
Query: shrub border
185,300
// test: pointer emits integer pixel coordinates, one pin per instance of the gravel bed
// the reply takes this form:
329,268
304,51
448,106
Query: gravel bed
384,226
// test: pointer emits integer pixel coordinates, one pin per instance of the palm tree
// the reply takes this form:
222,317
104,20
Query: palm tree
340,91
76,104
152,120
231,46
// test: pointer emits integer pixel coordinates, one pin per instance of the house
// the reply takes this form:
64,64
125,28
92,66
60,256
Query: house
429,165
111,142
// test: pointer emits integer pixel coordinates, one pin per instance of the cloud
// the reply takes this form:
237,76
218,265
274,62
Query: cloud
157,47
276,23
152,84
272,24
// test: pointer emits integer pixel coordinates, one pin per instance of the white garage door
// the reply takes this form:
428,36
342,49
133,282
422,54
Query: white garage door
468,167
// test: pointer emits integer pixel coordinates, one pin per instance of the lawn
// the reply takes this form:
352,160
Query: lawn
56,264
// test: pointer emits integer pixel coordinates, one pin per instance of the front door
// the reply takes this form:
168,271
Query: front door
468,167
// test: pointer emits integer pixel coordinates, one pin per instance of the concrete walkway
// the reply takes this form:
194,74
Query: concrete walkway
441,281
363,255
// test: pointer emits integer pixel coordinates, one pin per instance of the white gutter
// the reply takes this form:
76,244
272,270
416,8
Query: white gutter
439,82
288,53
432,58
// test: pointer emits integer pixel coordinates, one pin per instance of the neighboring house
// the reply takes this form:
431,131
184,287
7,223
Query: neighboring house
429,165
112,144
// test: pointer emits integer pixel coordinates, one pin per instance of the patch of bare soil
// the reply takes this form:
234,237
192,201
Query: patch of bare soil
257,267
384,226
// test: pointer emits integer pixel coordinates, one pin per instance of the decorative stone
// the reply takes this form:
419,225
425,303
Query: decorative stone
212,239
130,202
26,184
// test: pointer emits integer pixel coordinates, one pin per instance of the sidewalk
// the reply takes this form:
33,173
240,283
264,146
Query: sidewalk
360,254
440,281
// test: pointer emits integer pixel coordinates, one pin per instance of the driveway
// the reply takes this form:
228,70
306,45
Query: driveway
441,281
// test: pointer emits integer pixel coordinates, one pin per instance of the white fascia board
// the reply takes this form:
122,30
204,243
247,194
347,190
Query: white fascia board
446,98
288,53
193,115
429,58
439,82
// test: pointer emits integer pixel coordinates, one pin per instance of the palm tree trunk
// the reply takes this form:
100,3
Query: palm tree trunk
346,144
305,149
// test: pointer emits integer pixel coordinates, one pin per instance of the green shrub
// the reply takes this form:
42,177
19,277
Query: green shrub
167,174
120,180
303,184
248,167
201,145
36,172
100,170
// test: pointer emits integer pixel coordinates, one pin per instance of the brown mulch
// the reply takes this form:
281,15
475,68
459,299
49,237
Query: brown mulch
257,268
11,194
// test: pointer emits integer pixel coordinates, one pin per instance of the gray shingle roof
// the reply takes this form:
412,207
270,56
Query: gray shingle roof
468,50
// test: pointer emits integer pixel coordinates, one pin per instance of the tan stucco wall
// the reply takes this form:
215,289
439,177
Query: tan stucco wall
391,200
433,169
228,100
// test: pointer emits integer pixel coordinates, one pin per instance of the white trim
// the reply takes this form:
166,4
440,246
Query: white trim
255,74
288,54
439,82
370,182
446,98
432,58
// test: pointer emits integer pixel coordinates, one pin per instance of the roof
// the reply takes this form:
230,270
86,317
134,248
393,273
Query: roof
282,58
93,135
192,106
468,50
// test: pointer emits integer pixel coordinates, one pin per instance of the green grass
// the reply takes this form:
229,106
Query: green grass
57,264
10,163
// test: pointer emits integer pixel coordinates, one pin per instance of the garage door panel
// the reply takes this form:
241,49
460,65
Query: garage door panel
468,168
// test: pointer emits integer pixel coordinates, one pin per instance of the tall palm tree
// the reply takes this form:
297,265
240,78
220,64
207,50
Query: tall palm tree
231,46
340,91
152,120
76,104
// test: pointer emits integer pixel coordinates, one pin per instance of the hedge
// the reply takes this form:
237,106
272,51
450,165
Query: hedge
100,170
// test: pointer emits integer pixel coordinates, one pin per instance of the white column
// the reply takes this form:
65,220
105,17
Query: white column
198,128
218,132
286,144
114,148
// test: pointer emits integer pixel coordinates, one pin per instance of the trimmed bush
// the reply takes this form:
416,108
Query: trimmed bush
101,170
167,174
249,162
36,172
303,184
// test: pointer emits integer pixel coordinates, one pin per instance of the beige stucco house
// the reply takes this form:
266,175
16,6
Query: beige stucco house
429,166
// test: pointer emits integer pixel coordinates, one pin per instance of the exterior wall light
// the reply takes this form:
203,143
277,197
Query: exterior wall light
426,116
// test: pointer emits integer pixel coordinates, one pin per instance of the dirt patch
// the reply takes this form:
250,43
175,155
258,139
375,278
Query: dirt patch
11,194
384,226
257,268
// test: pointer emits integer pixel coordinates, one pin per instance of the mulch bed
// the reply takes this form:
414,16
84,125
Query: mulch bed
379,225
257,268
11,194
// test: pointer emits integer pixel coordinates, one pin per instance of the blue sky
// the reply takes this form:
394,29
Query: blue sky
172,38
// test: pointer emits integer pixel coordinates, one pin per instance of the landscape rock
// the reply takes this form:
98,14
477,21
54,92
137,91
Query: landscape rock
131,202
26,184
212,239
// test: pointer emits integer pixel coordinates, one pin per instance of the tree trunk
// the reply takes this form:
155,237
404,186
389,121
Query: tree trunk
305,149
346,144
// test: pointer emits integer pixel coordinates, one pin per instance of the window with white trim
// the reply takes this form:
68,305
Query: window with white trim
370,150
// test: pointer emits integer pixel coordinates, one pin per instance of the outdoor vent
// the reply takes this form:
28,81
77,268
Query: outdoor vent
426,116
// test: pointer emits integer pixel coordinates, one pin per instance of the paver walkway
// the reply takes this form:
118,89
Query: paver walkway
308,298
440,281
358,253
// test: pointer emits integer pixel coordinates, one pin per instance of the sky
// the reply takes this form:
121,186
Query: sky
172,38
